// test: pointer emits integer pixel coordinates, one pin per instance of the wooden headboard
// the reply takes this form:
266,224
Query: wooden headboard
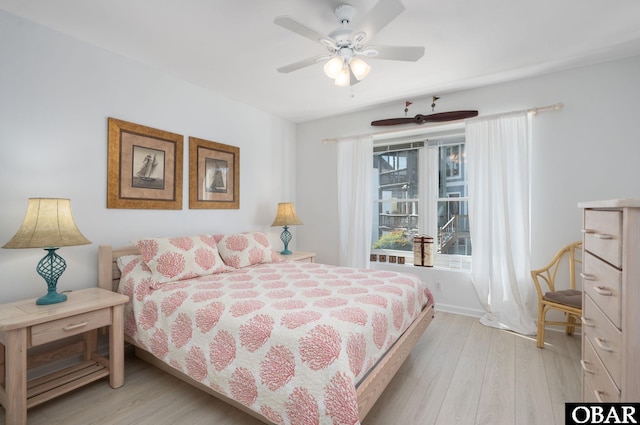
108,272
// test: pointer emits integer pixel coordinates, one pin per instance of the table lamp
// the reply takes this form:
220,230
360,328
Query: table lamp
286,216
48,224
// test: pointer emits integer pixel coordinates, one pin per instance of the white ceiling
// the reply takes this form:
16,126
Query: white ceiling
233,47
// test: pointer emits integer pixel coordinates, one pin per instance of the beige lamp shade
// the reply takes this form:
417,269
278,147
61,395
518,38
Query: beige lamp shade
48,224
286,215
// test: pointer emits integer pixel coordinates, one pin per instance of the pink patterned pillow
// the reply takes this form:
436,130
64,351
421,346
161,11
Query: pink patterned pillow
171,259
134,275
245,249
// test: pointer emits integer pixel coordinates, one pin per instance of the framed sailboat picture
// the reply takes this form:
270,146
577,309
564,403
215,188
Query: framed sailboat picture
145,167
214,175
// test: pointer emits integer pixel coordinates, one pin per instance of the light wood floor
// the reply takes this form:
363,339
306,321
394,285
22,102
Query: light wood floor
460,372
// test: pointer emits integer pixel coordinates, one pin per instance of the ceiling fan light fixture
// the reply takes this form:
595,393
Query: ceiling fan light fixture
359,68
344,77
333,67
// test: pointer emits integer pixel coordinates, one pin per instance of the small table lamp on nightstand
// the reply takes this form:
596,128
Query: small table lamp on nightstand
48,224
286,216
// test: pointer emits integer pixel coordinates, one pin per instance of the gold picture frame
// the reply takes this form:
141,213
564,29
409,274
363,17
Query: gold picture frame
214,175
144,167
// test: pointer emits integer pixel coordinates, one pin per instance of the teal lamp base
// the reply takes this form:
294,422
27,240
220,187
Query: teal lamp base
51,268
52,297
285,237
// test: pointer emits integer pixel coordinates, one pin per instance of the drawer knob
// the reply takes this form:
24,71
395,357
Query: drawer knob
587,276
598,394
584,364
587,322
75,326
601,290
601,343
596,234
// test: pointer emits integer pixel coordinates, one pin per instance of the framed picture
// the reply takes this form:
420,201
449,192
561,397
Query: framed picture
373,257
214,175
144,167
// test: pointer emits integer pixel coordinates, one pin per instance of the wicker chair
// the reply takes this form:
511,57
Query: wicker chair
552,297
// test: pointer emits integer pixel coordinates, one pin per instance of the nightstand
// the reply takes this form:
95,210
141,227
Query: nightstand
302,256
24,325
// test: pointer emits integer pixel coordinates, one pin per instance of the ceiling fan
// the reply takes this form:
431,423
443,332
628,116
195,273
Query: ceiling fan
347,45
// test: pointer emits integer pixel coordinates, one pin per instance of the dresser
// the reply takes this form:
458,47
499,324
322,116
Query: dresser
611,301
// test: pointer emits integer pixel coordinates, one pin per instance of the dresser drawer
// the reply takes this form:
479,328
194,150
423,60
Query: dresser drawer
605,338
57,329
602,235
603,283
597,382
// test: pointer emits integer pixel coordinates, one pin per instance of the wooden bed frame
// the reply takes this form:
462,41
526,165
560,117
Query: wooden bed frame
369,389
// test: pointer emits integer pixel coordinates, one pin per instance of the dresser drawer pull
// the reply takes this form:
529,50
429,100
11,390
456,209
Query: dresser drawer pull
587,276
601,343
601,290
584,364
597,235
587,322
76,326
598,394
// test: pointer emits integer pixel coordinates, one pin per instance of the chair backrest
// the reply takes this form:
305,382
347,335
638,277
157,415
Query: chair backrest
564,266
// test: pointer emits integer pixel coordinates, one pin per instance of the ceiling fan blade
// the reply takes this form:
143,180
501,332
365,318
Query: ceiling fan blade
382,13
299,28
395,53
420,119
303,63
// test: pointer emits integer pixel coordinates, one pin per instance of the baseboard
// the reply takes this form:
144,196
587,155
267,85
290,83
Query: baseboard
448,308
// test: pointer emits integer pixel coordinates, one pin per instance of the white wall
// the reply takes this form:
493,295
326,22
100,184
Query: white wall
55,96
587,151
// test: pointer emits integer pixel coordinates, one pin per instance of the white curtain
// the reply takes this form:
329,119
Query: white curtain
498,166
355,165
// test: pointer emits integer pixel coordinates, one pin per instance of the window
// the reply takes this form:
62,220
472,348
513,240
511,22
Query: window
421,188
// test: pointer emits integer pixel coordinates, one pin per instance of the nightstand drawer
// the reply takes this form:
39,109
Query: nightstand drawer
605,338
602,237
57,329
603,283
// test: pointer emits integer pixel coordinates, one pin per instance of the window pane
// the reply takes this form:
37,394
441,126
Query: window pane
453,216
453,176
395,219
453,227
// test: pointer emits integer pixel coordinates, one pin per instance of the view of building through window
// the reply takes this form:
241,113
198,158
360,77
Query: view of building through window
401,201
453,214
397,204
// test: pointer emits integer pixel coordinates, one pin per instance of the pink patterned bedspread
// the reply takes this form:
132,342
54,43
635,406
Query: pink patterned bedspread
289,340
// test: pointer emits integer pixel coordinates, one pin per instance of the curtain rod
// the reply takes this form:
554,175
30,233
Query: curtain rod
553,107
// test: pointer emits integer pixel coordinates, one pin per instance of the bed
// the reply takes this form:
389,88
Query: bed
286,342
